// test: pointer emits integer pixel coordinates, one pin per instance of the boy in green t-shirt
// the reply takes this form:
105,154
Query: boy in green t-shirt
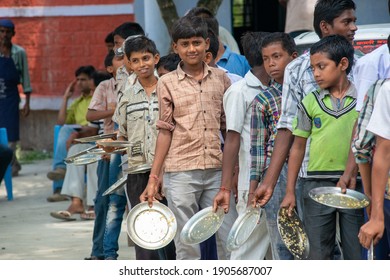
327,116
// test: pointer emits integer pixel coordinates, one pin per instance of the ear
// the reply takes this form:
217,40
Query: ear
174,47
344,63
294,55
207,43
325,28
110,69
156,59
208,57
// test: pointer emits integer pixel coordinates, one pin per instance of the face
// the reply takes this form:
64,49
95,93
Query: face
344,25
161,71
110,46
118,41
143,63
275,60
6,34
84,83
193,50
326,72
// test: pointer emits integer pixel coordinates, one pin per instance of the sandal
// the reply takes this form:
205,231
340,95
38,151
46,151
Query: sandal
63,215
88,215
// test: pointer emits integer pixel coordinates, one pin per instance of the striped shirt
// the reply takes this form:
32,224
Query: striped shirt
193,111
264,119
136,115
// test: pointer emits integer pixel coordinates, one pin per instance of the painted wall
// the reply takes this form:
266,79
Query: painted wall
372,11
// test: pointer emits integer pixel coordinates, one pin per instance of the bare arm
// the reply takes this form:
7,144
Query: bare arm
283,142
64,105
230,156
163,143
93,115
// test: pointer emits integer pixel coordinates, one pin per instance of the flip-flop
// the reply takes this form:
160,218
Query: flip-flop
88,215
63,215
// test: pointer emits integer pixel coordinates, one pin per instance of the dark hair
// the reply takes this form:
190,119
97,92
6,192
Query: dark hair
187,27
109,58
208,17
87,70
388,39
100,76
251,45
328,10
214,44
335,47
109,38
169,61
287,42
128,29
139,44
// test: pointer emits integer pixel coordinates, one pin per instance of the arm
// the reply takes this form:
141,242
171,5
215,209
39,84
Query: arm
163,143
85,131
67,95
283,142
373,229
93,115
230,156
295,160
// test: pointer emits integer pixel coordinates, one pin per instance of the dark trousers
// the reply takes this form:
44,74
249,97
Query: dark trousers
136,184
5,159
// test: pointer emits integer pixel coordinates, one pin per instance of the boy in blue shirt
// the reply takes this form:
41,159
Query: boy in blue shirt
327,116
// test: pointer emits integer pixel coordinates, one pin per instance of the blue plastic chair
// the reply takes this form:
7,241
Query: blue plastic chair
8,173
56,184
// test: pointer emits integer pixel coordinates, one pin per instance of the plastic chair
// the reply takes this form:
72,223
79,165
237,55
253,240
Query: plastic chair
8,173
57,127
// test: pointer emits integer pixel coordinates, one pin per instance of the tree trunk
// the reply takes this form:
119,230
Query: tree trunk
168,12
212,5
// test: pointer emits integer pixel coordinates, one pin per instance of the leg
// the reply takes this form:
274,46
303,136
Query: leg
279,249
16,167
320,223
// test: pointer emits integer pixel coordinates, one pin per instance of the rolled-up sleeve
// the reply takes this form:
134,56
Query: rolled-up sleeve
165,104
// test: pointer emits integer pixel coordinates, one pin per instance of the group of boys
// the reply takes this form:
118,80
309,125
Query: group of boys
288,117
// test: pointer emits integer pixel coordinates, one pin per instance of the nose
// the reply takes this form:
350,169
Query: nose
353,26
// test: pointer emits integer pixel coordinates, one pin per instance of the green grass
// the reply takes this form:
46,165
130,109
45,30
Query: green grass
32,155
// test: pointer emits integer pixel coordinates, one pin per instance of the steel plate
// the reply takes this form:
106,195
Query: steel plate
293,234
117,185
91,139
202,225
151,228
332,196
243,228
138,169
84,159
114,143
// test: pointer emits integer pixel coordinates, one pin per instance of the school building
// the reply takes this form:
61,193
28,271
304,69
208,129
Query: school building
61,35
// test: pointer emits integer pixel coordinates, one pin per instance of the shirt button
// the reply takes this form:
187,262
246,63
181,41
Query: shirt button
205,128
204,112
205,147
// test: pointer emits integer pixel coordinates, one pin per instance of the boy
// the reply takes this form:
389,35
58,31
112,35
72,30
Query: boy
278,49
380,207
363,148
327,116
188,144
167,64
102,106
236,102
330,17
136,115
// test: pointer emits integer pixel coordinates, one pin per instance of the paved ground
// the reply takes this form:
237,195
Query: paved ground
28,232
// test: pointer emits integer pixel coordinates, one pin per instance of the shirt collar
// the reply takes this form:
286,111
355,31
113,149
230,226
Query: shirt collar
138,88
181,74
351,92
226,53
253,81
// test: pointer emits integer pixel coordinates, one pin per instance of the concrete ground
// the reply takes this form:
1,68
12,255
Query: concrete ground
28,232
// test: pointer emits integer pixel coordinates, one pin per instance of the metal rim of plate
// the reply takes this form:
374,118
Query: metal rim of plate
194,231
243,227
298,230
117,185
361,199
115,144
138,169
84,159
100,151
95,138
151,228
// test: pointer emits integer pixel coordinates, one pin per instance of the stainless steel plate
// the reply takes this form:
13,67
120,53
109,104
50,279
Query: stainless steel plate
332,196
243,228
293,234
151,228
83,159
202,226
117,185
114,143
95,138
138,169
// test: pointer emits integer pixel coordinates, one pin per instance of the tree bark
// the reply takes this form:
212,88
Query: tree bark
168,12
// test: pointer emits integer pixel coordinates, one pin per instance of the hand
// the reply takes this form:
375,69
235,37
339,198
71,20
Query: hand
106,157
289,203
26,110
251,195
346,181
151,190
372,230
70,141
262,195
222,199
70,89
